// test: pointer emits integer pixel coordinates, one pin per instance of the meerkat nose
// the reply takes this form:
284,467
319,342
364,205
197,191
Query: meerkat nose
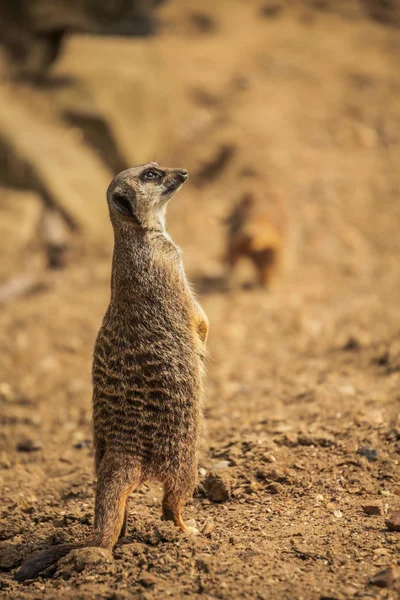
184,173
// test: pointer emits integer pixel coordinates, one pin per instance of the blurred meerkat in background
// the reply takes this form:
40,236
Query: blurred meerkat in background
257,229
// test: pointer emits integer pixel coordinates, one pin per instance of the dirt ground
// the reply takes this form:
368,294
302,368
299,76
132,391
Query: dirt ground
302,402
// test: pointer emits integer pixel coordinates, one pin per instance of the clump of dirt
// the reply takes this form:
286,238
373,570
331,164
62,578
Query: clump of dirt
302,393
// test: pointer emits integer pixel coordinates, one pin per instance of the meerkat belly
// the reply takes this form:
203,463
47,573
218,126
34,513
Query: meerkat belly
147,393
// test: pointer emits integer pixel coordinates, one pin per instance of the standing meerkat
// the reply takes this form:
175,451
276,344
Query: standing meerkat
147,365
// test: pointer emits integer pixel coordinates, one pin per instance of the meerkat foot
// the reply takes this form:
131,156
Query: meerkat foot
190,527
174,513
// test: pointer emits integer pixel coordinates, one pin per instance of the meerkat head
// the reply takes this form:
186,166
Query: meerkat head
139,196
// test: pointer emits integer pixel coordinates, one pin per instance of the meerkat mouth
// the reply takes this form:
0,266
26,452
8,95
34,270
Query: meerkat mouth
174,184
172,189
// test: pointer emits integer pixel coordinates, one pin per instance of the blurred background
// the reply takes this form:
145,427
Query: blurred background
287,115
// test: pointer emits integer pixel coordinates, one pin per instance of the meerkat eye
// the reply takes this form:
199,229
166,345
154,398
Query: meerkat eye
151,175
122,204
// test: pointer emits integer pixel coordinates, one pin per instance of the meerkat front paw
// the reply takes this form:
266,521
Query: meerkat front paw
202,329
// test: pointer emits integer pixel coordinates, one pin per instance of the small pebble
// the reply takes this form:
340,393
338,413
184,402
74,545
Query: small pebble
208,527
218,486
269,458
9,556
82,444
191,523
385,578
370,453
373,508
223,464
393,521
147,582
83,558
29,445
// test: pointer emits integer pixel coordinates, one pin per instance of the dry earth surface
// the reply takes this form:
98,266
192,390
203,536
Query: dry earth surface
303,395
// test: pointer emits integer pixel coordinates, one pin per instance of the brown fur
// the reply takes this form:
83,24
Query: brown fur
147,365
254,234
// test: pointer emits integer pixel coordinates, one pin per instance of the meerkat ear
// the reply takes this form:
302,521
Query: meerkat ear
122,204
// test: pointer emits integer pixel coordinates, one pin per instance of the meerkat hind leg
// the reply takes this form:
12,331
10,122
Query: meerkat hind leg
266,265
172,506
114,484
124,528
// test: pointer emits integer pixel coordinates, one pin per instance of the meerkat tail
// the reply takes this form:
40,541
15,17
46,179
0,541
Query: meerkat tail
38,562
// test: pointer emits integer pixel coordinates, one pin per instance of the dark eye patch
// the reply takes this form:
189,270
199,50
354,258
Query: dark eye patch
122,204
152,175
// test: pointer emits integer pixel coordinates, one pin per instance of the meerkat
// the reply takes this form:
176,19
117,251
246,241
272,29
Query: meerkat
147,365
253,234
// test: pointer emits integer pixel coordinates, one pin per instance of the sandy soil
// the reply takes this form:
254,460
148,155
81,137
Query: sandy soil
303,399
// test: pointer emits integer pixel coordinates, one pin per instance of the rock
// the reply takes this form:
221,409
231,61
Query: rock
385,578
393,521
373,508
208,527
381,554
268,458
223,464
147,582
192,527
10,557
369,453
319,438
374,417
217,486
275,474
82,444
81,559
63,180
29,445
274,488
164,532
128,551
288,439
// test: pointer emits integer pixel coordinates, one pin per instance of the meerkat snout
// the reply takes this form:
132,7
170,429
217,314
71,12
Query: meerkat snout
173,180
139,195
